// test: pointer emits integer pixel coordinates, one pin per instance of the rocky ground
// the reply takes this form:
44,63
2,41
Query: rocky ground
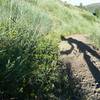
85,64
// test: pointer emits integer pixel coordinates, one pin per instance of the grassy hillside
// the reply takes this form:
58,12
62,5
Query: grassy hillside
54,17
29,34
92,7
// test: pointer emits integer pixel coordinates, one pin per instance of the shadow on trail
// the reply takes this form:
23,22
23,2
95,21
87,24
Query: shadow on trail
68,86
85,49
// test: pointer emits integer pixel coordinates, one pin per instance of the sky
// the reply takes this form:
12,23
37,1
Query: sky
84,2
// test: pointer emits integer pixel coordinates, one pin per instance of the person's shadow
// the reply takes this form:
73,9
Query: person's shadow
85,49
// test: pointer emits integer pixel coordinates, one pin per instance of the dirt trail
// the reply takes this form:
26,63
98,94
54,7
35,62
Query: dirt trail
85,63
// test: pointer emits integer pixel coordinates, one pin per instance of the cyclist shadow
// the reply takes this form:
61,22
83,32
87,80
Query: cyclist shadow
85,49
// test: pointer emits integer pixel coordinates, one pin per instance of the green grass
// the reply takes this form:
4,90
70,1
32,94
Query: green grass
29,34
94,9
53,17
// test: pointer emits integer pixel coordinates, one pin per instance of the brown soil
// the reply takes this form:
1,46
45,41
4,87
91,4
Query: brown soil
85,63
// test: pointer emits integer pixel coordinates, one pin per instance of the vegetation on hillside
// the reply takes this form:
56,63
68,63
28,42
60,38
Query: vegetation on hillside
29,34
93,6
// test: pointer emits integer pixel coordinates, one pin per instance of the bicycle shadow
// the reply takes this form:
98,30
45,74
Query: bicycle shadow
85,49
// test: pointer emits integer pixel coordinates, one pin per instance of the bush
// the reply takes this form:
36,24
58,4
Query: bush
26,59
26,67
30,70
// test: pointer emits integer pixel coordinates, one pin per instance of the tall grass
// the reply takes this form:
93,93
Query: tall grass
28,61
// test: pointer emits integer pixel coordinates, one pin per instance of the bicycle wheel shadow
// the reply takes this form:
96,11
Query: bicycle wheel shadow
87,51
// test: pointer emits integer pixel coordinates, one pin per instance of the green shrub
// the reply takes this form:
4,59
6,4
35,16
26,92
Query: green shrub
31,70
23,60
24,54
28,60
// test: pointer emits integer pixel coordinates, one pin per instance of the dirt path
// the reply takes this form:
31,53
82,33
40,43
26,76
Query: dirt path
85,63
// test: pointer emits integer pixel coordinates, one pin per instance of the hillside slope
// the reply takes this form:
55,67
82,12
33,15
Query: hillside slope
54,17
29,34
92,7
